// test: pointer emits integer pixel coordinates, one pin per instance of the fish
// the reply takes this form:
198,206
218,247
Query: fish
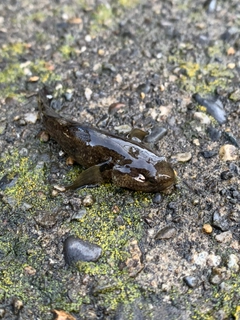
105,156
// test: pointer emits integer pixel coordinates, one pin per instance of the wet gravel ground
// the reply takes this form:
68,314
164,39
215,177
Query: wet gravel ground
151,58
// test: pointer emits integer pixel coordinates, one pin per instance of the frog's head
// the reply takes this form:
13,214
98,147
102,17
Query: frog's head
157,178
165,176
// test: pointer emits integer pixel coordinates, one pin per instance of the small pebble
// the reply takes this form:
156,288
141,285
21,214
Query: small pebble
68,95
224,237
101,52
118,78
115,107
31,117
202,117
157,133
231,65
226,175
208,154
210,5
228,152
3,126
214,133
219,221
166,233
213,260
157,198
144,88
214,107
235,95
207,228
134,263
191,282
230,137
234,168
216,279
125,128
182,157
233,263
17,305
88,38
44,136
88,201
76,249
79,215
2,312
88,93
231,51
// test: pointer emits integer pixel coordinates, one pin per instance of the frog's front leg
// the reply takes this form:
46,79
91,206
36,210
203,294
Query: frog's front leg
131,178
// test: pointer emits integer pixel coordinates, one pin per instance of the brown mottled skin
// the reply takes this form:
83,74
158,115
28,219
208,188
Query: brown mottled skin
106,156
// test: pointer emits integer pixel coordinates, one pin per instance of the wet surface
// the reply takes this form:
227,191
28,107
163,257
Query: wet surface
121,68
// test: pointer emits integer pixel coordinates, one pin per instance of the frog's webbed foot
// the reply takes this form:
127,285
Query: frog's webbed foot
92,176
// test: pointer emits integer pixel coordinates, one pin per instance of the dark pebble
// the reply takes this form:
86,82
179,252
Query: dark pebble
226,175
76,249
229,137
220,222
166,233
68,96
234,169
157,198
214,133
208,154
210,5
5,182
214,107
145,87
156,134
191,282
115,107
109,67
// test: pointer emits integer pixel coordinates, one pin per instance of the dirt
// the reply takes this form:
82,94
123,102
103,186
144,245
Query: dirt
150,56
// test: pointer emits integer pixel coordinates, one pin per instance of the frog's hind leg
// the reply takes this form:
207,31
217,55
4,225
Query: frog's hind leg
92,177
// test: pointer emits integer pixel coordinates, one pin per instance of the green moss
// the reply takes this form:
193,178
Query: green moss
204,78
30,186
99,226
67,51
128,4
13,50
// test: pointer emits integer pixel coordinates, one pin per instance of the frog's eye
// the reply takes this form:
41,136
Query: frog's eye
140,178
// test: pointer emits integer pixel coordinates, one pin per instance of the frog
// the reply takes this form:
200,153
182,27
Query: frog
106,157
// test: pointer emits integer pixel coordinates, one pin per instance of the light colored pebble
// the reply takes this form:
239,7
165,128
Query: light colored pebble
182,157
165,110
3,126
213,260
224,237
228,152
88,93
118,78
202,117
200,258
101,52
232,262
231,65
88,38
125,128
207,228
31,117
88,200
196,142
